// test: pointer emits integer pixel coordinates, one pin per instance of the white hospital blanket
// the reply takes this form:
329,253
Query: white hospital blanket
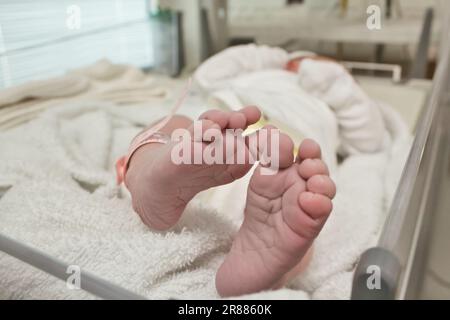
62,199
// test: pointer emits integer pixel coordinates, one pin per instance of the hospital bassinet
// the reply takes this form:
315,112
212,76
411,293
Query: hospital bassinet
411,252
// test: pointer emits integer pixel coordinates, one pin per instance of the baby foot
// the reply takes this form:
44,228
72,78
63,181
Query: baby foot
161,189
283,215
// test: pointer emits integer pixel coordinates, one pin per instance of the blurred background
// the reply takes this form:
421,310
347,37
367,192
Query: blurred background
47,38
138,53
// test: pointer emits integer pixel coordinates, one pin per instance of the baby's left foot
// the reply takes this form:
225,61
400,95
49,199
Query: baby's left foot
284,214
161,187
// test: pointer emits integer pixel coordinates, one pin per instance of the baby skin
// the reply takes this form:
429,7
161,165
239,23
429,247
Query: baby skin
284,211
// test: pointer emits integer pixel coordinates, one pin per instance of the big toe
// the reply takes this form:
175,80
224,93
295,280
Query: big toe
274,149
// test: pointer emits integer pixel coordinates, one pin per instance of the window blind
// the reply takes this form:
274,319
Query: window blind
39,39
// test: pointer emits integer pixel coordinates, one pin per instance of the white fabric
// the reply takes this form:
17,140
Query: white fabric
250,74
62,199
287,106
69,208
103,81
361,126
235,61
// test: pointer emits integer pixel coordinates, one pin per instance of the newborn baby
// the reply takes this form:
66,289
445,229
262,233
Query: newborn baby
284,211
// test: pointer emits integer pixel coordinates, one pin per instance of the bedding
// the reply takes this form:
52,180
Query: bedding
61,197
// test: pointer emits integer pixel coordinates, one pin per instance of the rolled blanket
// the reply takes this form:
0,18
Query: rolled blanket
251,74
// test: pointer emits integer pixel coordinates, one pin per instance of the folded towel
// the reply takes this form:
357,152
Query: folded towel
101,81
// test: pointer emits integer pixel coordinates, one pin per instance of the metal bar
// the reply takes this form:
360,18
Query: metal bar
388,9
412,204
394,68
419,68
404,191
57,268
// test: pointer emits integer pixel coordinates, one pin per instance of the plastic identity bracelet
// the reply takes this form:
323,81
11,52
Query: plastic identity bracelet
151,135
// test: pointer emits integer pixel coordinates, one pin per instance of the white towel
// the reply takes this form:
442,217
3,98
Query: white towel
361,125
250,74
62,199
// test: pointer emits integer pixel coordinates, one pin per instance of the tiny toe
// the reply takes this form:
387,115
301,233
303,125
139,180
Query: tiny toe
286,156
317,206
217,116
203,125
321,184
309,149
237,120
252,114
312,167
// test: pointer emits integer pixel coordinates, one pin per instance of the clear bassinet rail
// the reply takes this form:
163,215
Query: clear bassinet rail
403,240
401,254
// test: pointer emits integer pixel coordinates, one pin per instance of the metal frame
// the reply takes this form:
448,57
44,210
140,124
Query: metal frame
406,228
59,269
370,66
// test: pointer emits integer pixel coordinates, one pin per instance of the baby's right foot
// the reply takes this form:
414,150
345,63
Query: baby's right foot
161,189
283,215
